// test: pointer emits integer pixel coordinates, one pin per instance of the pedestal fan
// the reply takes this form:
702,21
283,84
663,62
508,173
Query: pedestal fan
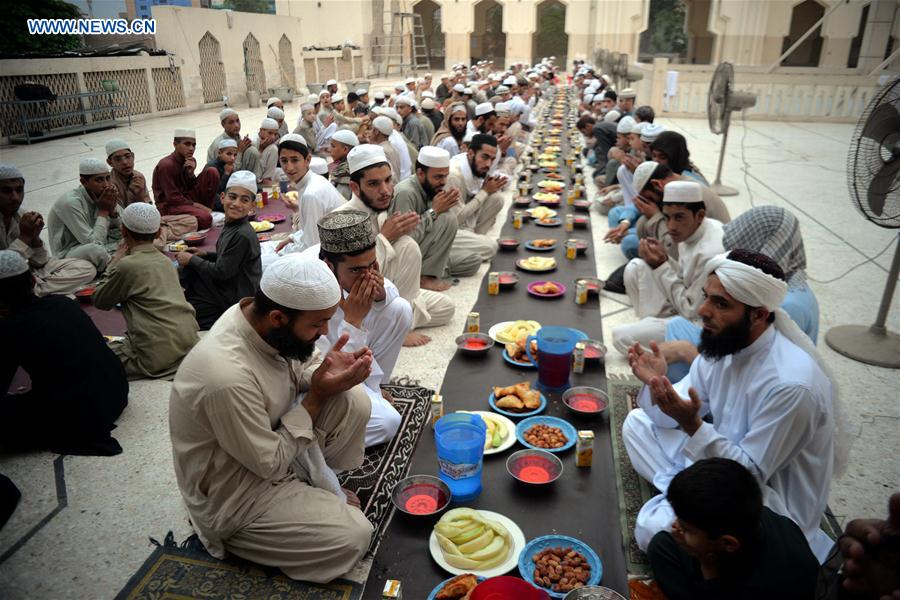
722,101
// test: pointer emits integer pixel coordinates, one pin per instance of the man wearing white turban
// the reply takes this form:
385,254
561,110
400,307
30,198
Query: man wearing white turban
161,328
759,394
259,419
21,232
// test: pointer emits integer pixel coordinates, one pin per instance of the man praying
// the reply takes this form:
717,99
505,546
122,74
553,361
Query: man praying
258,421
178,191
161,327
213,281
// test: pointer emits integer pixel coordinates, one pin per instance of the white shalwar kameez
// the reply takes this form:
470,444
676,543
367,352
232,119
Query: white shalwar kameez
406,166
383,331
771,408
476,212
317,198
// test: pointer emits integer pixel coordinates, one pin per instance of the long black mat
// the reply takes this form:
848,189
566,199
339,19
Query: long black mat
584,502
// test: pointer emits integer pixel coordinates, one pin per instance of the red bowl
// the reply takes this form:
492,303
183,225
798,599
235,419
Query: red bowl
85,294
508,244
506,588
195,239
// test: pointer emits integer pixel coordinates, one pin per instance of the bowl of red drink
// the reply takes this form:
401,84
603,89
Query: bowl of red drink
585,401
534,467
421,495
195,239
594,350
505,587
85,294
474,344
507,279
508,244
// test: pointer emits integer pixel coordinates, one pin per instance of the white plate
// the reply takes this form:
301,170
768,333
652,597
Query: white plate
518,539
510,440
498,327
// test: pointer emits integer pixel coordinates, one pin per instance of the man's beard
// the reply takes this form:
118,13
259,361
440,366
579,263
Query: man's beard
458,134
475,170
289,345
728,341
367,202
430,191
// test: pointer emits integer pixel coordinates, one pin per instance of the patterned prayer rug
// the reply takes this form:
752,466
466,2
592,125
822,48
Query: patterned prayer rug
189,571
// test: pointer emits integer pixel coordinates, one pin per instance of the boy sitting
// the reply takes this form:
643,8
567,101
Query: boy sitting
342,142
224,164
725,545
161,324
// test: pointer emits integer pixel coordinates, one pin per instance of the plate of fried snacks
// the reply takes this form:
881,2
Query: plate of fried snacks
518,400
541,245
455,588
546,289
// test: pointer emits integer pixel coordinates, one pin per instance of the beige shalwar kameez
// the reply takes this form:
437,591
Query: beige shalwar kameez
235,432
247,160
476,212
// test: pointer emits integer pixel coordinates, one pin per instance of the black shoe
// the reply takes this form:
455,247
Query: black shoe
615,283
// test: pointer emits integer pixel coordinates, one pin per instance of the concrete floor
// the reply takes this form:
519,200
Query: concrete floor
97,540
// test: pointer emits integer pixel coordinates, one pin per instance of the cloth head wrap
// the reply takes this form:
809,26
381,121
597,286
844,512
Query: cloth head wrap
754,288
11,264
10,171
773,231
300,282
141,217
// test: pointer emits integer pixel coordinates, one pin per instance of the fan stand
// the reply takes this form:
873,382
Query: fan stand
718,187
873,345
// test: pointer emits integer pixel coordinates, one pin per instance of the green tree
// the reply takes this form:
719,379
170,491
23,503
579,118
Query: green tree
665,29
254,6
14,36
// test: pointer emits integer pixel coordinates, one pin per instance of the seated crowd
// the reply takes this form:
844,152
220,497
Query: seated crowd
739,425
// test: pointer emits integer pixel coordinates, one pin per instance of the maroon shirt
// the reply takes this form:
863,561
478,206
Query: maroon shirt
172,184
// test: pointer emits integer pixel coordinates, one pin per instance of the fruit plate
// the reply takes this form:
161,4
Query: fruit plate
526,564
261,226
438,587
521,365
510,440
522,264
493,402
549,212
567,428
518,540
496,328
534,248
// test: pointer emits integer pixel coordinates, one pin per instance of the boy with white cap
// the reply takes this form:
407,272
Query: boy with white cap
175,187
398,253
342,142
305,125
224,164
213,281
660,286
21,232
248,155
161,328
84,222
78,386
277,113
132,184
268,147
362,106
258,420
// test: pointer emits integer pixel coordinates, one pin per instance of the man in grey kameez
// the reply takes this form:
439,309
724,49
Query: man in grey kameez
248,155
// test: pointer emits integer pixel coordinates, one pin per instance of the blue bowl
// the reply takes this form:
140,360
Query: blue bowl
526,564
438,587
493,402
567,429
521,365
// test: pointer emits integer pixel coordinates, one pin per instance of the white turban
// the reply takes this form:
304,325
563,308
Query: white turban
141,217
10,171
749,285
11,264
300,282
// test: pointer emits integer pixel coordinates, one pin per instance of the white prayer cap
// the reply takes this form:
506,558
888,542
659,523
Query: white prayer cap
625,125
293,137
468,91
11,264
141,217
459,88
612,116
114,145
190,133
306,106
428,94
379,110
365,155
502,89
445,76
511,80
275,113
628,94
318,165
410,80
383,124
497,77
330,82
226,143
362,92
427,103
399,87
378,95
651,131
345,136
313,98
427,76
10,171
642,175
337,98
683,192
301,282
404,100
598,98
272,101
227,112
432,156
588,98
483,109
323,93
268,123
638,128
606,78
243,179
502,108
92,166
393,114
